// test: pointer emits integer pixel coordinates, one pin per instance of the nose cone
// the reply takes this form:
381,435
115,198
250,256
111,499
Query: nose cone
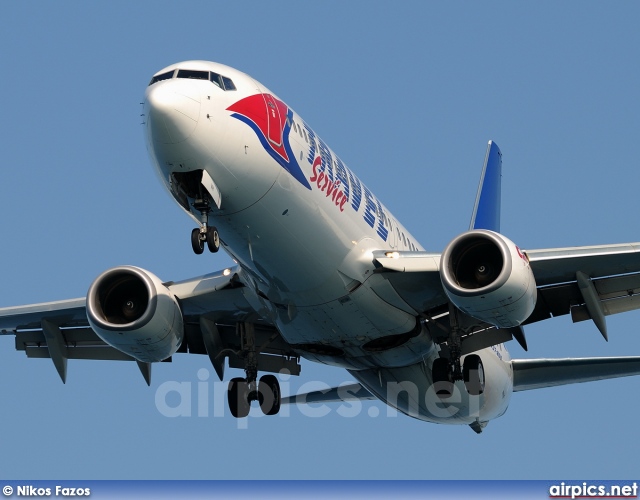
174,111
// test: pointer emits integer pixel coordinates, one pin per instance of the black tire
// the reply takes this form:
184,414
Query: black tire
238,397
440,375
196,242
473,374
213,240
269,395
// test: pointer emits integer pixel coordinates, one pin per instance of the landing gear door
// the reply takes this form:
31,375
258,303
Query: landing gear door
274,122
212,189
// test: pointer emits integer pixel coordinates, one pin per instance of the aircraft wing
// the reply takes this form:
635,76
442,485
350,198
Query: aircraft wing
539,373
588,282
345,392
528,374
211,306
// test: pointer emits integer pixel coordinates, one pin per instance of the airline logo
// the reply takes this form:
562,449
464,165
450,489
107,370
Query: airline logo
271,120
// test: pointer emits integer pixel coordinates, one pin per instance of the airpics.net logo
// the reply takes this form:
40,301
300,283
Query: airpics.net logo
586,490
207,398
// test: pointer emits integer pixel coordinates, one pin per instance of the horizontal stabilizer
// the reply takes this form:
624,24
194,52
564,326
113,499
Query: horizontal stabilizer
539,373
349,392
486,212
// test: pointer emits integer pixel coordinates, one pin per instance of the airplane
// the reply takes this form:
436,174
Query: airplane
325,272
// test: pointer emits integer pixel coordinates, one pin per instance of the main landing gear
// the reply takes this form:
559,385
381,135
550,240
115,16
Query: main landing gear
243,391
472,375
447,370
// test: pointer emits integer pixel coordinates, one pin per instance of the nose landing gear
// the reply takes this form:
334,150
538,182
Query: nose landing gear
205,233
202,235
203,203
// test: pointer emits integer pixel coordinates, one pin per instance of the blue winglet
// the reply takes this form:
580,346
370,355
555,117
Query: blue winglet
486,212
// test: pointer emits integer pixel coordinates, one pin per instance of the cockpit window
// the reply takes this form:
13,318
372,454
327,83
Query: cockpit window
194,75
228,84
221,81
163,76
215,78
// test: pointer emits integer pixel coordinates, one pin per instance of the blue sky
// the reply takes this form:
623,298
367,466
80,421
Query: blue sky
407,94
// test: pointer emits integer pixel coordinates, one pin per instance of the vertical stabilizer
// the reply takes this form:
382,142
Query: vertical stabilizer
486,211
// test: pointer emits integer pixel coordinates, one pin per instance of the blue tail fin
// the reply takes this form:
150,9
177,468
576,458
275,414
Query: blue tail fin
486,212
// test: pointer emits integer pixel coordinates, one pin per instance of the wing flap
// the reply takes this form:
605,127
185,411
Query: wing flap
531,374
617,286
616,294
103,353
78,343
614,306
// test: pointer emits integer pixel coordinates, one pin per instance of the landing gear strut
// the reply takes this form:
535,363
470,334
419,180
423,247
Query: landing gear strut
243,391
446,371
205,233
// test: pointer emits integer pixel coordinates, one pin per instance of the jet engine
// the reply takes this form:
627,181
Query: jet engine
132,311
486,275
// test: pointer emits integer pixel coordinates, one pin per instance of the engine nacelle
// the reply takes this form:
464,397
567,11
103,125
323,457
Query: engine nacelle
132,311
487,276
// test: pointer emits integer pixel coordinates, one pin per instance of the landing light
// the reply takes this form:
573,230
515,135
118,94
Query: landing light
393,255
226,272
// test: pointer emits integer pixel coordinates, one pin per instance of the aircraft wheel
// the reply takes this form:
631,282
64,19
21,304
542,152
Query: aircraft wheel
269,395
473,374
238,397
196,242
441,381
213,239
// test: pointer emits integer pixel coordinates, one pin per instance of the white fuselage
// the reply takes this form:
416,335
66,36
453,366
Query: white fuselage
302,228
